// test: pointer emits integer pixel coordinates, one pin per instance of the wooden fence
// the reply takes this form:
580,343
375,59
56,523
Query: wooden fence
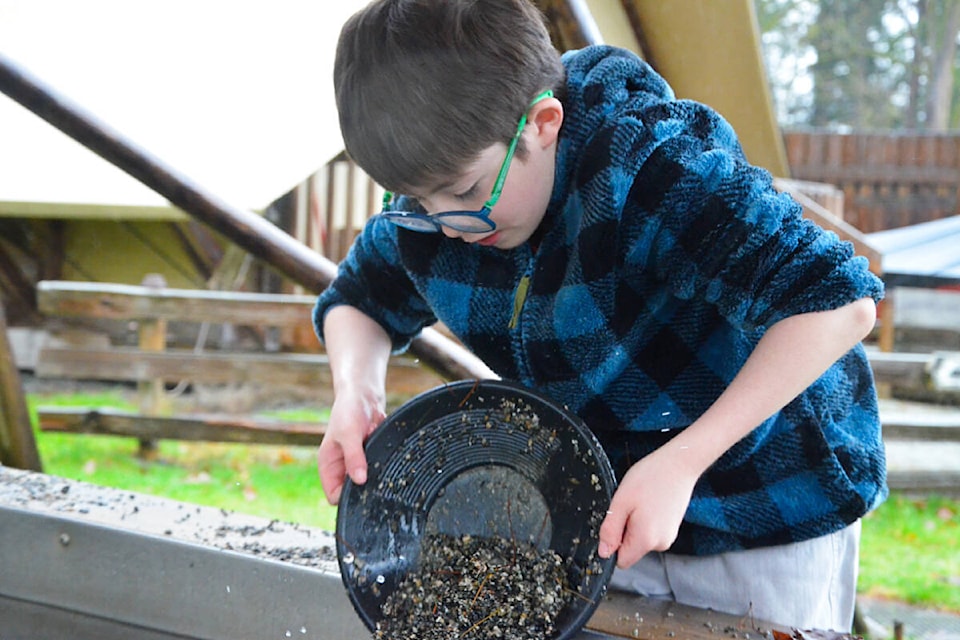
888,180
153,366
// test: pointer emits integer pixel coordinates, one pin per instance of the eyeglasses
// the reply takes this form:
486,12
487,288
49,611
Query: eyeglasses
463,221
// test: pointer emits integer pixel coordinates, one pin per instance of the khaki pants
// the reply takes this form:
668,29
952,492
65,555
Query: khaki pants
804,585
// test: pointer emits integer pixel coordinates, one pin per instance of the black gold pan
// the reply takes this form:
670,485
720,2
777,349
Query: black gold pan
485,458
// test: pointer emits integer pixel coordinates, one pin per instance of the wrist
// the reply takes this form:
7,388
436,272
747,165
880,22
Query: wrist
693,451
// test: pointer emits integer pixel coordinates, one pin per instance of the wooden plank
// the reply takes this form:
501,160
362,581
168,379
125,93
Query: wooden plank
405,377
944,482
900,369
131,364
130,302
625,615
920,308
902,425
198,427
892,173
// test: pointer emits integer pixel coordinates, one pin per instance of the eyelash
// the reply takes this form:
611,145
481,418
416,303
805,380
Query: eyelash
466,195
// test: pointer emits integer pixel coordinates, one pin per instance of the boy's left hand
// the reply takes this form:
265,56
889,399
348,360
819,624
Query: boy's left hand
647,507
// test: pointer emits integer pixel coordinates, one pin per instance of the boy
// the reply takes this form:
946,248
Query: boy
588,235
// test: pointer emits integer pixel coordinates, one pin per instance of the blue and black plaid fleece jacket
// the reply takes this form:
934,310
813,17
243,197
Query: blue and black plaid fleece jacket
662,259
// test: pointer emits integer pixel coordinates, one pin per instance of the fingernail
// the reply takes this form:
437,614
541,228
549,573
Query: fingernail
603,550
360,476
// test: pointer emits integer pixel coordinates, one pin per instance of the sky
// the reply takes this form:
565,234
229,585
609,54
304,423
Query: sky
237,96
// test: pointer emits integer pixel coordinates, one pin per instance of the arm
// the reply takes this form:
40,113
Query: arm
359,350
649,504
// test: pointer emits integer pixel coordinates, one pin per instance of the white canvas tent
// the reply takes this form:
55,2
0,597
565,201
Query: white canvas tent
236,96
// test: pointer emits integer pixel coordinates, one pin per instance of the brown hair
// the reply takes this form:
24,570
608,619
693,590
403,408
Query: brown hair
423,86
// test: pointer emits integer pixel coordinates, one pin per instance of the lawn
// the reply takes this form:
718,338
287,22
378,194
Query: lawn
265,480
910,550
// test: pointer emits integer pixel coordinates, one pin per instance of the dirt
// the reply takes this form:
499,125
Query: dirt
468,587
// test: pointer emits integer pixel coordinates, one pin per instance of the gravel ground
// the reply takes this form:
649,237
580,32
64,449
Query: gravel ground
209,526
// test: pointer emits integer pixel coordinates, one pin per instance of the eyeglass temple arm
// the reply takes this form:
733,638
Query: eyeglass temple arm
502,176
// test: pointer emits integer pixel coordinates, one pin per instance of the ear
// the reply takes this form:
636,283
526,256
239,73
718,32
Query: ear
546,117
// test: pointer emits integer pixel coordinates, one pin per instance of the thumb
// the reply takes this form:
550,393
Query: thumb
611,532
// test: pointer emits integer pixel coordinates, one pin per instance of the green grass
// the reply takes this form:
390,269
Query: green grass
270,481
910,549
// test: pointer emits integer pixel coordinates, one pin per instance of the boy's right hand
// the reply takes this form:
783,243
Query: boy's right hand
353,417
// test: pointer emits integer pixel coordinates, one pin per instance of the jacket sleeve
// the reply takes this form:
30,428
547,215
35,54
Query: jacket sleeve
371,278
711,225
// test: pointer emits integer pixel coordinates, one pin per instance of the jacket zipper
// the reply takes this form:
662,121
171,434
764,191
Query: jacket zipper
519,297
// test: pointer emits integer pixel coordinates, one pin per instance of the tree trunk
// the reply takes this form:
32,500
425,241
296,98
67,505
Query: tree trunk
944,47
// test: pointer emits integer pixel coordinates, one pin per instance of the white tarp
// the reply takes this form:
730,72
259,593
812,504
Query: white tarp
237,96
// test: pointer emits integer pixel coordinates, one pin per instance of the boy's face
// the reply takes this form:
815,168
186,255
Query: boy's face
526,191
523,201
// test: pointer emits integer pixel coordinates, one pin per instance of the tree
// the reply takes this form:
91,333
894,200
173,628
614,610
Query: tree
937,27
863,63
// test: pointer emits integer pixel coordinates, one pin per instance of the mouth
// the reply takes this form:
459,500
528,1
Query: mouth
490,240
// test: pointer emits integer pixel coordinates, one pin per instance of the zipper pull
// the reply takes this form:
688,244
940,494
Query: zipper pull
518,299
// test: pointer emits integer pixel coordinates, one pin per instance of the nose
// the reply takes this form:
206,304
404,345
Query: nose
450,232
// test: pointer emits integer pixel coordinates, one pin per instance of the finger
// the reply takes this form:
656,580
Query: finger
631,549
354,460
611,532
332,472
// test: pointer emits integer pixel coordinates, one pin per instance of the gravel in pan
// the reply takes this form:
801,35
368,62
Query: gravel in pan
467,587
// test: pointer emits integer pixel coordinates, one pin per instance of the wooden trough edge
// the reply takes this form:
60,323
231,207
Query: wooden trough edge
196,427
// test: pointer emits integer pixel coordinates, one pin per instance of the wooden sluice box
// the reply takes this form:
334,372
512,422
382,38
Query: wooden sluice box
82,562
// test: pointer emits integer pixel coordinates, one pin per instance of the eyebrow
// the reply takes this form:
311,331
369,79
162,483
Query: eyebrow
449,184
452,182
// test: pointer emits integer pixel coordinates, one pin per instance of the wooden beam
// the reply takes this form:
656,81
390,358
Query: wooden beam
67,299
900,369
926,426
943,482
17,445
128,364
920,308
197,427
625,615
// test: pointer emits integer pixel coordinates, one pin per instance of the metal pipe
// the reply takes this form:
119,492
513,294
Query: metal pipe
248,230
583,17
